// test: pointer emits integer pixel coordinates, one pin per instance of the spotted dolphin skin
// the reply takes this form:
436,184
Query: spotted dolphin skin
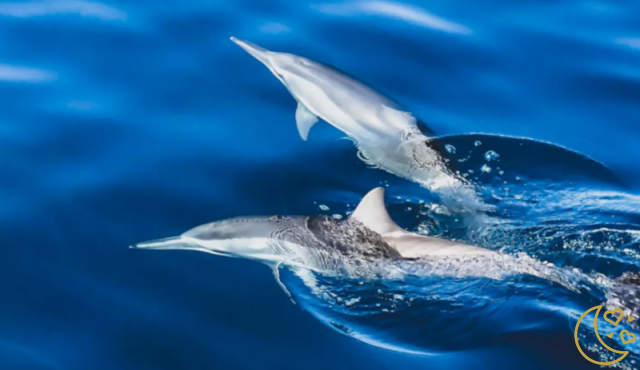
386,135
314,242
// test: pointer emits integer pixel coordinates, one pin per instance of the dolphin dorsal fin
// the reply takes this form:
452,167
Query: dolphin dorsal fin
372,213
305,120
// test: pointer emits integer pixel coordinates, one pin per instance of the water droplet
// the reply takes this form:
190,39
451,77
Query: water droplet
517,178
491,155
485,168
450,148
323,207
337,216
477,143
352,301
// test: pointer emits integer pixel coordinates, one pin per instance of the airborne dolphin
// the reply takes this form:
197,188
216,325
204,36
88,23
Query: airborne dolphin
317,243
386,135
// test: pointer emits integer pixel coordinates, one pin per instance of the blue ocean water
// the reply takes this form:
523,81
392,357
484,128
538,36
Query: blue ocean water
128,121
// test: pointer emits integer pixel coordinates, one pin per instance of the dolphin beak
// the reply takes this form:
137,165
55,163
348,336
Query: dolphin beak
259,53
173,242
176,243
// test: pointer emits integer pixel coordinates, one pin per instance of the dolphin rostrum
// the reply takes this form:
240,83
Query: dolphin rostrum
385,135
317,243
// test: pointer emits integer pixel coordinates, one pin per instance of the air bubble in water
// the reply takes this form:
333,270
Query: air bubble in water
491,155
337,216
477,143
485,168
450,148
323,207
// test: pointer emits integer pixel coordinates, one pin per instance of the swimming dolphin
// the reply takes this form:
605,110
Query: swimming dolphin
385,135
317,243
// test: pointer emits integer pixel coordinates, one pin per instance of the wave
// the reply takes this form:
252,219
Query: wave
565,228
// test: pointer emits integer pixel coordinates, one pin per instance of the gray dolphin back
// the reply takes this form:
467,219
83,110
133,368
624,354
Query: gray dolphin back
245,228
320,233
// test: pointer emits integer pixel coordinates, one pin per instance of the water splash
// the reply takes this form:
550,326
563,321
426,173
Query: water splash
491,155
450,148
564,246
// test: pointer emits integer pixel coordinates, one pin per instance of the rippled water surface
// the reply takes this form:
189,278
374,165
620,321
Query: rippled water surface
128,121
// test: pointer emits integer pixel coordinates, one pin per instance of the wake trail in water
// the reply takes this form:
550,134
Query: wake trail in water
567,239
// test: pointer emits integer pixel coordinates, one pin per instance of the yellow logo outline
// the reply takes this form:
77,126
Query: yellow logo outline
595,325
630,335
614,323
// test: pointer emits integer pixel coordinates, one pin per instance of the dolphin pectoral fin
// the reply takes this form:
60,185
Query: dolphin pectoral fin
305,120
276,274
